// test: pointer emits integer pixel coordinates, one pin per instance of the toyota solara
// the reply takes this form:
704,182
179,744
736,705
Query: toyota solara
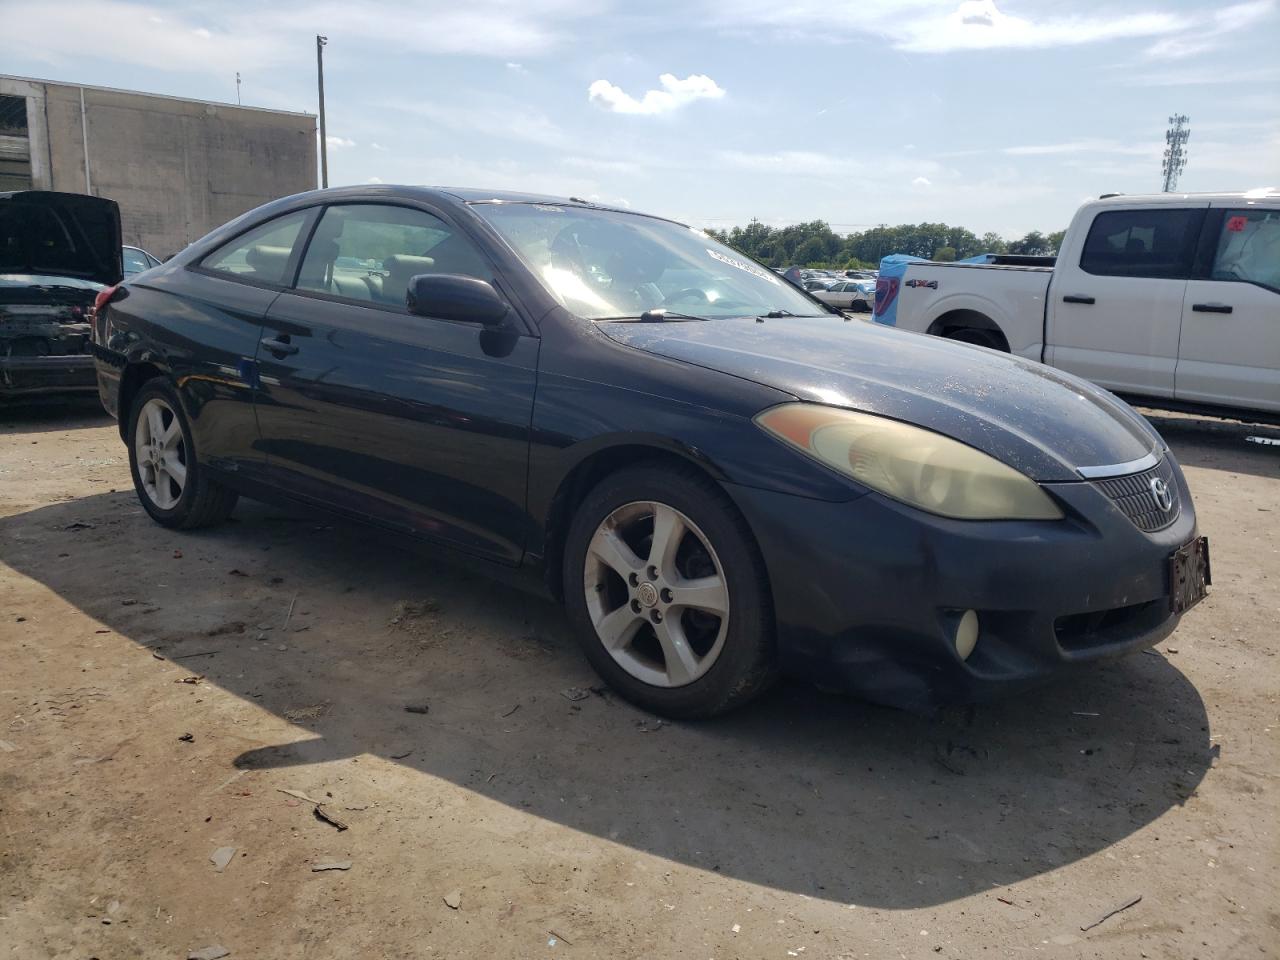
722,479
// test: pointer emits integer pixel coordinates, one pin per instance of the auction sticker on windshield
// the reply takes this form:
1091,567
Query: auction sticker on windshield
743,265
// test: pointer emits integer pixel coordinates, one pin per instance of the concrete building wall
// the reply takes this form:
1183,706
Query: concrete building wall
178,168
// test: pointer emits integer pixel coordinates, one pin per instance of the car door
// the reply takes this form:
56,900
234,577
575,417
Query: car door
213,312
1230,348
1115,307
418,423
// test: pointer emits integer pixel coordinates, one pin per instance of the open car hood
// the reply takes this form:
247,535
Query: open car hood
60,234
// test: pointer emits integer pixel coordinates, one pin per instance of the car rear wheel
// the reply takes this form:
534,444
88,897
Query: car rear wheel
668,593
169,480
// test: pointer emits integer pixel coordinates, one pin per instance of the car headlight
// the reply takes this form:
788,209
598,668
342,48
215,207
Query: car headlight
911,464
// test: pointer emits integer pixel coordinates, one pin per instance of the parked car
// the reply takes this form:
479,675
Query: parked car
57,252
136,260
856,295
1170,300
723,483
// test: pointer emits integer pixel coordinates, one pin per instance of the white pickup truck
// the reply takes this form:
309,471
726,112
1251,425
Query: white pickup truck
1170,300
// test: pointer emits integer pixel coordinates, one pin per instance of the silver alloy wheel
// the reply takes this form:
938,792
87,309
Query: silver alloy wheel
161,453
662,616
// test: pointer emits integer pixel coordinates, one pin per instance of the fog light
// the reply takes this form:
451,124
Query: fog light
967,634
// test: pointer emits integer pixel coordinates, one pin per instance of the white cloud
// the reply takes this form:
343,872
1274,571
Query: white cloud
797,163
605,165
943,26
134,33
1082,146
981,25
922,182
1184,77
516,67
497,117
213,39
1212,29
339,141
675,93
379,147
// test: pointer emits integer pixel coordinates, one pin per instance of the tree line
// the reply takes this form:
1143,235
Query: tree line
815,244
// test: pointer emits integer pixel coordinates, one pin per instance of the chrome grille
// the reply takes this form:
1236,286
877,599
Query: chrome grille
1134,497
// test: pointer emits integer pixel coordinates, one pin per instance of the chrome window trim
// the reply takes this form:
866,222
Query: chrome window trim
1119,469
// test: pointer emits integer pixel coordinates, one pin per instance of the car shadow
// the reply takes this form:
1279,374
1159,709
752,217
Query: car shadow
52,414
1224,445
338,630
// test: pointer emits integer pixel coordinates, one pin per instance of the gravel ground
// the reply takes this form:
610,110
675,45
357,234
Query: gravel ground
160,692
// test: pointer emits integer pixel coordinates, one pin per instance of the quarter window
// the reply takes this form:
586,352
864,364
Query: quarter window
369,253
262,254
1249,248
1142,243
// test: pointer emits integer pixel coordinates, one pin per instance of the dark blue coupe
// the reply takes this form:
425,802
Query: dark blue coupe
721,478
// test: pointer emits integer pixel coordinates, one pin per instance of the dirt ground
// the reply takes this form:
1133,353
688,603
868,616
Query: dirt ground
160,691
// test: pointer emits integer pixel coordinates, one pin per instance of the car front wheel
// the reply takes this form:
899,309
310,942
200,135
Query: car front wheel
666,587
170,482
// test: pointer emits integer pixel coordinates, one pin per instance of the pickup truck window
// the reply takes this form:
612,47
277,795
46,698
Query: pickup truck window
1249,248
1156,243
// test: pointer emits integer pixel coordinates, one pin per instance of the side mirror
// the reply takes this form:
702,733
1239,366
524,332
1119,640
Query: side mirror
452,296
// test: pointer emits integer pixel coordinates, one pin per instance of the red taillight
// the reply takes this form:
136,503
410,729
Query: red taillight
886,290
104,297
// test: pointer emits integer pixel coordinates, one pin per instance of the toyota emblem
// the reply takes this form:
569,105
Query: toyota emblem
1164,496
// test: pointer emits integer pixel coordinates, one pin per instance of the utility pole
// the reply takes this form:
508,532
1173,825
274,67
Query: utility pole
324,144
237,88
1175,154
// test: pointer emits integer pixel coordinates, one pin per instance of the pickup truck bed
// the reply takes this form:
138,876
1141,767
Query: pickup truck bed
1171,300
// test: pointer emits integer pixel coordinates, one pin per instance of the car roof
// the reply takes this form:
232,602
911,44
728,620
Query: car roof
1264,193
467,195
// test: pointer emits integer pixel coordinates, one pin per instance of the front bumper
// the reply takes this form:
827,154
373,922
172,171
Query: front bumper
32,376
868,593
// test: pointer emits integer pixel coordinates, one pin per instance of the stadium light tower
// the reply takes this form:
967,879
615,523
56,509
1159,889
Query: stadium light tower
1175,152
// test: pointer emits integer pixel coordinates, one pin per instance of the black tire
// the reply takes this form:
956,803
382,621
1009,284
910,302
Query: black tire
981,338
746,664
202,501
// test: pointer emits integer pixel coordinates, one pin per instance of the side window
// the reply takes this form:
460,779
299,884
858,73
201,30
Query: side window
262,254
369,252
1249,248
135,261
1142,243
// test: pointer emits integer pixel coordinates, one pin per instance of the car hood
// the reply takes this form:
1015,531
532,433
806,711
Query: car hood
1036,419
60,234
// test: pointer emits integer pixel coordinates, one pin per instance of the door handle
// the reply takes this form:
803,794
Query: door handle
1211,307
280,346
1077,298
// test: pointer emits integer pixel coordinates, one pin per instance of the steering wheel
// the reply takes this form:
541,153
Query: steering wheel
687,292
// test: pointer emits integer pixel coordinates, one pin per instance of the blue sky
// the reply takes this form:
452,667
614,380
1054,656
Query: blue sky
992,114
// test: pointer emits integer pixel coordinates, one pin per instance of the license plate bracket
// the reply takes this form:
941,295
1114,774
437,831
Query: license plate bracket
1189,575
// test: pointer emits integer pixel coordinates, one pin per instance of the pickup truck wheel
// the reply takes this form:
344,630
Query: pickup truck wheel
981,338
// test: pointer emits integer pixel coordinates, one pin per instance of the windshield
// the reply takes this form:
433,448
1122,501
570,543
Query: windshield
604,265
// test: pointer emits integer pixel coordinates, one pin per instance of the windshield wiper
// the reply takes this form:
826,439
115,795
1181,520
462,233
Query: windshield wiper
657,315
779,313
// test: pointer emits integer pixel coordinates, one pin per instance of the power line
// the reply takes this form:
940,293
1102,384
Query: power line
1175,153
